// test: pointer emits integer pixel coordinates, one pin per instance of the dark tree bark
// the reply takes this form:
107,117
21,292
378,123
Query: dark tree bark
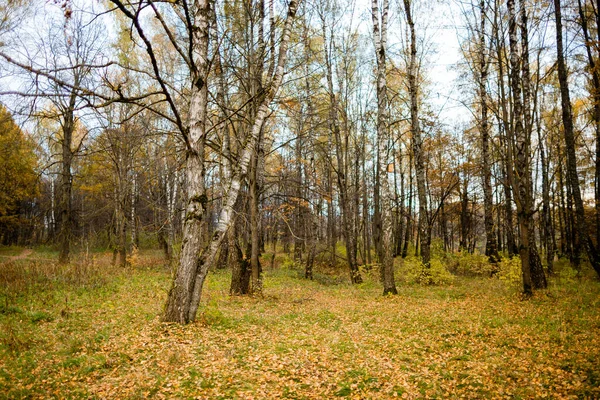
546,219
505,127
491,248
567,118
464,216
417,141
595,92
520,171
66,207
538,276
409,210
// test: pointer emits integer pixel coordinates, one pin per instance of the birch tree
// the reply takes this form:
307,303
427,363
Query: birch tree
417,143
184,296
385,247
342,169
491,249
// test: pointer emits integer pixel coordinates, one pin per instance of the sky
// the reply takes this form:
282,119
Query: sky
438,25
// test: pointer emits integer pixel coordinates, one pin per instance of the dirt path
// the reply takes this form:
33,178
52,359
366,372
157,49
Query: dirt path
24,254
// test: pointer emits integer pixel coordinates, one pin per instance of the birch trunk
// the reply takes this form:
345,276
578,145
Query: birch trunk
424,228
386,259
491,247
184,298
342,167
180,303
520,171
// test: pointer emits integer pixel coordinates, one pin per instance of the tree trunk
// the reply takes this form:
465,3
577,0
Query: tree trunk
424,228
66,212
464,216
546,220
342,167
386,259
399,235
409,212
521,144
255,222
572,175
595,92
537,271
180,302
491,248
184,297
505,127
241,269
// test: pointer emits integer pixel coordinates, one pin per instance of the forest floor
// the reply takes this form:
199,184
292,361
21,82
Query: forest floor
93,331
22,255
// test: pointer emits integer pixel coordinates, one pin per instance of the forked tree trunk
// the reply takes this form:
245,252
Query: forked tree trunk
184,297
538,277
505,128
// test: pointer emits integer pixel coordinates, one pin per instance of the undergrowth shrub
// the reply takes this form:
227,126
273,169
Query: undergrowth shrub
289,263
277,260
371,271
509,271
471,264
565,272
415,272
133,258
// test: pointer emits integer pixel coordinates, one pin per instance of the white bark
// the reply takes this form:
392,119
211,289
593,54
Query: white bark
386,258
226,214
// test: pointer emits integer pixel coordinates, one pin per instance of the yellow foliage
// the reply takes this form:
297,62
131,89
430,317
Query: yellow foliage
510,271
415,272
133,258
18,162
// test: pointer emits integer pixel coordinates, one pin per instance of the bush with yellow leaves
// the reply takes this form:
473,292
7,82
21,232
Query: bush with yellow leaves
471,264
414,271
509,271
133,258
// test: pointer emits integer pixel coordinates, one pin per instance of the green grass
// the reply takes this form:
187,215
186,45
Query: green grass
9,251
83,332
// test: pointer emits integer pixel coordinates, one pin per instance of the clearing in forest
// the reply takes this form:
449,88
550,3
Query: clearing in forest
93,331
